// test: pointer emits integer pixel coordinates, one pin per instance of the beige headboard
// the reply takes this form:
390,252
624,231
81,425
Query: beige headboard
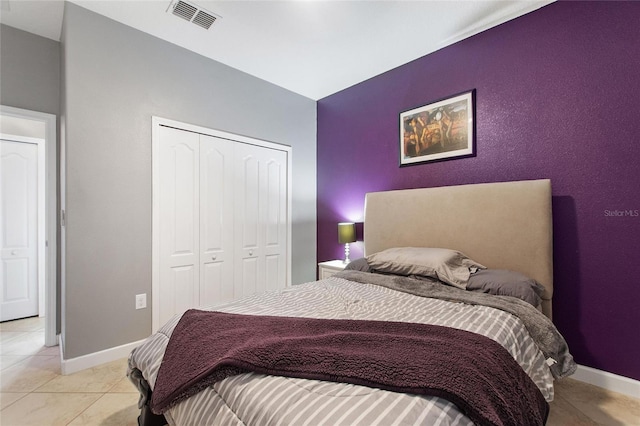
503,225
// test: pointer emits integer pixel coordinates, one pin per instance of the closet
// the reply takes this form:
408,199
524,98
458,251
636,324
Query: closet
221,218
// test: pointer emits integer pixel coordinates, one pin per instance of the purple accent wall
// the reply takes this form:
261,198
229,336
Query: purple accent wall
557,96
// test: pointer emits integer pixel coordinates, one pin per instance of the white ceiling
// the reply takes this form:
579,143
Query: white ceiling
314,48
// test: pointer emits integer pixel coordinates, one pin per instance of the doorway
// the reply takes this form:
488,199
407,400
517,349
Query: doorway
24,128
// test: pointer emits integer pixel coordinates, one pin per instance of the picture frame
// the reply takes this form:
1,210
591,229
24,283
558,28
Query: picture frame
440,130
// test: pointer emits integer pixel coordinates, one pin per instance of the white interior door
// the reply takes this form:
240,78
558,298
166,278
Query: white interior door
216,221
19,197
40,128
179,203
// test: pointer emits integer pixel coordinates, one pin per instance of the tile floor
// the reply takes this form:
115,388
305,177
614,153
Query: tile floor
34,393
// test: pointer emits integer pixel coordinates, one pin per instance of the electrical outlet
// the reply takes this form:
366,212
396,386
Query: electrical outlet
141,301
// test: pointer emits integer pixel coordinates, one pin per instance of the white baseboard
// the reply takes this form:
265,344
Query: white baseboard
73,365
608,381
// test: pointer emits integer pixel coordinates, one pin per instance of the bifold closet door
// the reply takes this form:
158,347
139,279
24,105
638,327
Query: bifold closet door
222,222
179,202
260,219
216,220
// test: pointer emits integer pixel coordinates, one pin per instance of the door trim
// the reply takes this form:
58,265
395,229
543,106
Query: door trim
51,214
156,123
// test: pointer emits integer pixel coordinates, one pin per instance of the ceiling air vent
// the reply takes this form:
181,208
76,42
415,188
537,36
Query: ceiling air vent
193,13
184,10
204,19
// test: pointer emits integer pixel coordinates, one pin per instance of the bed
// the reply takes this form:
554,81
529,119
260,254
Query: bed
498,226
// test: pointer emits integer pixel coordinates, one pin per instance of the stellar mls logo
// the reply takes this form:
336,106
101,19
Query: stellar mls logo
622,213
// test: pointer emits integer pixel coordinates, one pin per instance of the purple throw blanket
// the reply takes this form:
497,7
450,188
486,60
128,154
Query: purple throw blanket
470,370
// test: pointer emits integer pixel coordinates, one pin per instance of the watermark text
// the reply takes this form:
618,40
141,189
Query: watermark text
622,213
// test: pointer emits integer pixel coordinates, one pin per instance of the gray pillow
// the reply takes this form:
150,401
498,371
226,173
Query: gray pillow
506,283
358,265
448,266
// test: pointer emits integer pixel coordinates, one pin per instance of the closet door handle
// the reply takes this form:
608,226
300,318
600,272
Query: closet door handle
250,252
213,257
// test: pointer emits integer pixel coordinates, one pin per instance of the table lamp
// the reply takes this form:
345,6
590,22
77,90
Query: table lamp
346,235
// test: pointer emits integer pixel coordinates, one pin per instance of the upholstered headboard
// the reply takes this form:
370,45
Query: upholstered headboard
504,225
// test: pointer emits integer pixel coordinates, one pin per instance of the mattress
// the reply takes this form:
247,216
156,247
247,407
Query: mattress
255,399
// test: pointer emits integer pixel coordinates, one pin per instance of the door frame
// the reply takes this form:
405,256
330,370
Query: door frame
50,215
156,123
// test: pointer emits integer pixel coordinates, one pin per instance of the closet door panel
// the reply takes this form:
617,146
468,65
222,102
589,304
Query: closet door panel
249,188
275,196
249,211
249,280
261,219
181,294
214,287
179,221
216,220
273,272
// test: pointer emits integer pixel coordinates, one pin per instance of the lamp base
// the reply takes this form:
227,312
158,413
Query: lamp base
346,254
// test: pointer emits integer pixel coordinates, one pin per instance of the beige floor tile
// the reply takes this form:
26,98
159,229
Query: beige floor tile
564,414
122,362
49,350
96,379
622,409
26,324
602,406
7,399
47,408
29,374
7,361
124,386
27,343
5,336
117,409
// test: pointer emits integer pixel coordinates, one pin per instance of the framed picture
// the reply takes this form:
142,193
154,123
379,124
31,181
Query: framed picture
441,130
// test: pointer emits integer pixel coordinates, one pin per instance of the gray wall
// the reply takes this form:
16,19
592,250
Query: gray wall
30,79
30,70
115,80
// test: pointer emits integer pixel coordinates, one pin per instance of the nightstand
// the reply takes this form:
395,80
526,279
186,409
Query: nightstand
326,269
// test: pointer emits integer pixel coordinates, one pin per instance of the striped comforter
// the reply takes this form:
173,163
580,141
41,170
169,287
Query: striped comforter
254,399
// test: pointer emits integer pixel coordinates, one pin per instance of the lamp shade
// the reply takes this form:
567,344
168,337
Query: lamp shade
346,232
